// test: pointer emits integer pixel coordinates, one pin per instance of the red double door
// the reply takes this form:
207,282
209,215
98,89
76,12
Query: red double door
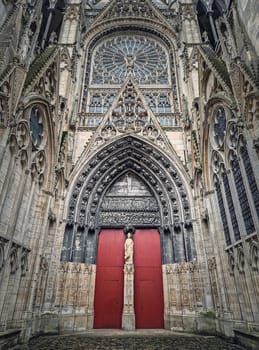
148,287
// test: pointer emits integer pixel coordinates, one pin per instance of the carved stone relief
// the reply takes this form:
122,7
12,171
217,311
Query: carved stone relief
128,182
129,201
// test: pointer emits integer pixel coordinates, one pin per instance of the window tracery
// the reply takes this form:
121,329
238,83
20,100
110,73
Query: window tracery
242,196
220,123
250,176
226,138
147,58
36,127
222,211
231,206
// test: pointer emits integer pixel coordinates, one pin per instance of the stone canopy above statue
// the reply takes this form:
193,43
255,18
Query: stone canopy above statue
129,201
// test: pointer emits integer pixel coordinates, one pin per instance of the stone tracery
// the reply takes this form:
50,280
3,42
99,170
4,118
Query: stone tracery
147,58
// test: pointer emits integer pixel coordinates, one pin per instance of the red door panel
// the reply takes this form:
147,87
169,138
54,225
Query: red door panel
149,305
108,302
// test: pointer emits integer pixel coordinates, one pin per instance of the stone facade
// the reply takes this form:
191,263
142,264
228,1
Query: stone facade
151,103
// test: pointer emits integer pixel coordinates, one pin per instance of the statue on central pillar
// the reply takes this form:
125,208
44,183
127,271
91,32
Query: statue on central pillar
129,249
128,314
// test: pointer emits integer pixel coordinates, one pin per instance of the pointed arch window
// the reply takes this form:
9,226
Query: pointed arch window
222,211
242,195
231,206
250,177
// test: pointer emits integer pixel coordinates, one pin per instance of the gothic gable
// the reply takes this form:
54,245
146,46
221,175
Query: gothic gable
130,114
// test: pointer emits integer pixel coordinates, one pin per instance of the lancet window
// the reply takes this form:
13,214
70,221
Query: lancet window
236,187
250,176
242,196
222,211
230,204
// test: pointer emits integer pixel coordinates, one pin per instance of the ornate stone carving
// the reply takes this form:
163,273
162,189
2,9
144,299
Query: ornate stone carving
4,104
254,254
44,264
2,252
13,258
145,58
231,262
129,8
159,191
24,261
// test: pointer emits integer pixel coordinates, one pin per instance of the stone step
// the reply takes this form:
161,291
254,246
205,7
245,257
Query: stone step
137,340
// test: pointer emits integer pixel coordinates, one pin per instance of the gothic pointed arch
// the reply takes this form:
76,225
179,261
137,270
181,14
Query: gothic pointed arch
164,204
32,138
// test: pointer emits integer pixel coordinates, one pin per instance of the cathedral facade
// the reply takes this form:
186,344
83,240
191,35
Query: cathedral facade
136,118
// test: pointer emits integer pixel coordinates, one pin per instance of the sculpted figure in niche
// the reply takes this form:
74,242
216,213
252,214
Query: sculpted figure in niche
128,246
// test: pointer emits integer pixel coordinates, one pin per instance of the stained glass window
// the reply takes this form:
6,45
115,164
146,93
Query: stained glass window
36,126
220,123
145,57
231,207
242,196
222,212
250,177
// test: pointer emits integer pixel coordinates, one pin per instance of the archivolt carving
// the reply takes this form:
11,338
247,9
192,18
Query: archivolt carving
87,209
132,156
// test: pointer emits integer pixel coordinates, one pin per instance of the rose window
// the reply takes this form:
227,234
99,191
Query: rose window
144,57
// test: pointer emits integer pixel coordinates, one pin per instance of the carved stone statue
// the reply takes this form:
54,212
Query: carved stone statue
128,246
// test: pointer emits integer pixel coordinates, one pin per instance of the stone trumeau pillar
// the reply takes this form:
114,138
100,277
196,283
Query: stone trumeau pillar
128,313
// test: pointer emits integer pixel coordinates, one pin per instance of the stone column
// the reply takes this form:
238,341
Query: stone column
128,314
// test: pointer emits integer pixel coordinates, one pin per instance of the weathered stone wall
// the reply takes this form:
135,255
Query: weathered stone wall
184,298
75,296
4,9
249,14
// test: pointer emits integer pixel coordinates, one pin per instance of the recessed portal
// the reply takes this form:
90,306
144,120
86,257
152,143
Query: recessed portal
148,300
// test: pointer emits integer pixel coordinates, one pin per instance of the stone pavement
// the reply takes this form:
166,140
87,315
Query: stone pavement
139,340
